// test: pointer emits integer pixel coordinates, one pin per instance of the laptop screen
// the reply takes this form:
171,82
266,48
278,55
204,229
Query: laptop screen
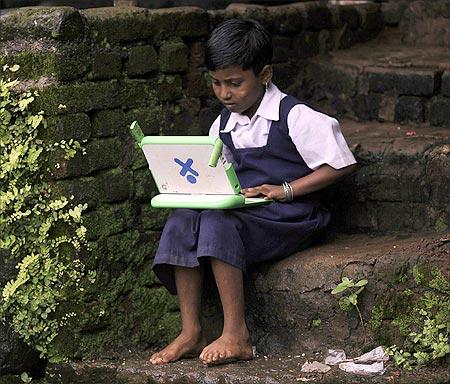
180,167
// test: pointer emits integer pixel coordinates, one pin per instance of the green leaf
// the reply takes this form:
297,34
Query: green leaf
361,283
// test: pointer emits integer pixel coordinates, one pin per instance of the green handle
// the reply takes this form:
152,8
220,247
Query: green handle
136,132
216,152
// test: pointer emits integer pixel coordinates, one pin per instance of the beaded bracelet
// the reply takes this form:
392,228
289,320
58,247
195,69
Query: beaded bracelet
288,191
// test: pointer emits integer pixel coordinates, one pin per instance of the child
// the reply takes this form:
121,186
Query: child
280,149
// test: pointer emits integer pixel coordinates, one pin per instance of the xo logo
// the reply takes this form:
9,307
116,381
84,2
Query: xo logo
186,168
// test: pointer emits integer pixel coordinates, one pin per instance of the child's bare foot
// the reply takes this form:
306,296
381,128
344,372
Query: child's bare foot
227,349
185,345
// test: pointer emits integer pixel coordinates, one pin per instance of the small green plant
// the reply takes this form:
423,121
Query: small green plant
422,315
349,298
40,230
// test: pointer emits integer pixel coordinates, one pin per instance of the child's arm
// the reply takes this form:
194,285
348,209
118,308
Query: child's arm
319,179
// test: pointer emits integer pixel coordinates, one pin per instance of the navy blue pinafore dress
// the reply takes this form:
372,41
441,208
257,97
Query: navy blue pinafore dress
245,236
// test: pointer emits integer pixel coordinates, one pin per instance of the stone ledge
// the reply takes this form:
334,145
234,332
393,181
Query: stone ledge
285,297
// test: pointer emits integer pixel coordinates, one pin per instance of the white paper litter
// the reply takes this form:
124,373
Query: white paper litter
335,356
315,366
375,355
374,361
363,369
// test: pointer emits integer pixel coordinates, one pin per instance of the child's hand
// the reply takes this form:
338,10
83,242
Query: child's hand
274,192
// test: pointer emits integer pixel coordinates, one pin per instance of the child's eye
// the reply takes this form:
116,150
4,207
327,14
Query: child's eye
236,83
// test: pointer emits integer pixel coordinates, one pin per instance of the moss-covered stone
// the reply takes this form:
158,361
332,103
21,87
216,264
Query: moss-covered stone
75,126
78,97
108,122
102,154
150,119
62,23
184,22
144,186
141,60
106,65
153,218
173,57
116,185
116,24
83,189
32,64
107,220
168,87
137,93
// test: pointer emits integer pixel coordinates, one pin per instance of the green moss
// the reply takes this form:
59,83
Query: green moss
106,65
75,126
109,219
78,97
173,57
33,65
118,24
168,87
108,123
137,93
421,310
441,225
141,60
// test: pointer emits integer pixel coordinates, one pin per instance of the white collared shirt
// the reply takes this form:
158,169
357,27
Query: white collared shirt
317,137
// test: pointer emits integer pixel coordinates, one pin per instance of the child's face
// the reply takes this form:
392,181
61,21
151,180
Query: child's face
238,90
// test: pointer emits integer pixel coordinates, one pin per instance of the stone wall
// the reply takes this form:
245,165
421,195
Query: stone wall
99,69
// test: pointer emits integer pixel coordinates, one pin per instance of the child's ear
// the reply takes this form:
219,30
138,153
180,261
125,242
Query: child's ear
266,74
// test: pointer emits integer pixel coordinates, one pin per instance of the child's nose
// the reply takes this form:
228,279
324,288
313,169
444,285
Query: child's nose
225,93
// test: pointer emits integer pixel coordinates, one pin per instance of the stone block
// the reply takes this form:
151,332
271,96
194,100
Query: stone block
445,85
173,57
102,154
256,12
317,16
116,185
286,20
335,78
206,117
144,186
409,108
137,93
60,23
108,219
168,87
438,175
153,218
141,60
196,77
75,126
108,123
106,65
282,49
78,97
347,15
439,114
83,189
181,119
366,107
392,13
33,65
118,24
185,22
150,119
372,17
306,44
403,81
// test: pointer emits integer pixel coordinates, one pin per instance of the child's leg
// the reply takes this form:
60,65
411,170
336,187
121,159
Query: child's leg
190,340
234,343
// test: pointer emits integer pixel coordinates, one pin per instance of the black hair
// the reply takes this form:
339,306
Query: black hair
242,42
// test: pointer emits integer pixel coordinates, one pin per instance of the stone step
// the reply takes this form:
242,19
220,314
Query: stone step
281,369
382,80
403,180
285,300
290,306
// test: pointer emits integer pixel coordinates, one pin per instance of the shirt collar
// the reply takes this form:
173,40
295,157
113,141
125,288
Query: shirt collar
268,109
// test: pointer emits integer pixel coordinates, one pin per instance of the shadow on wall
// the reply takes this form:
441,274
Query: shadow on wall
207,4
